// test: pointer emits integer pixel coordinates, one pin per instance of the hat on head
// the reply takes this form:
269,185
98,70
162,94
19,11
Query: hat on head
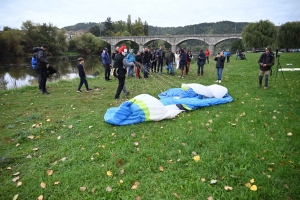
105,49
123,50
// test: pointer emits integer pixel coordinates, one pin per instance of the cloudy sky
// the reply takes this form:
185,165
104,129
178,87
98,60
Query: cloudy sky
162,13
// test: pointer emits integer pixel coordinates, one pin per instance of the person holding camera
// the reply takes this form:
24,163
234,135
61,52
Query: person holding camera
219,65
266,61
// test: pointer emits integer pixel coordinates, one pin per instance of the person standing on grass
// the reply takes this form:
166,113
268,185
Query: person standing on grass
43,66
120,66
201,62
160,59
188,61
106,63
207,53
177,59
182,62
228,55
171,61
153,61
220,66
82,76
146,62
138,59
266,61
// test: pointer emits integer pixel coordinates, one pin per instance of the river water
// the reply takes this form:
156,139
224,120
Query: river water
16,72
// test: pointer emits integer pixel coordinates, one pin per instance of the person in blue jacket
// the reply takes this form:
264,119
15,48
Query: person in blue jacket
228,55
130,58
106,63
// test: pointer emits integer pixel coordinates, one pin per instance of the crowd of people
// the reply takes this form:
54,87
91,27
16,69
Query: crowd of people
124,63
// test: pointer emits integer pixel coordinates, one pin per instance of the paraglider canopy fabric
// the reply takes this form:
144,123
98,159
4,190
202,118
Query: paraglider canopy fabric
145,107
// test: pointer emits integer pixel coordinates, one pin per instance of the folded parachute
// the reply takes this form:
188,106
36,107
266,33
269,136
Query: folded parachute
145,107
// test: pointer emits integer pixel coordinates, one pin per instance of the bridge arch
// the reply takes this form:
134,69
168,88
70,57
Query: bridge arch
229,38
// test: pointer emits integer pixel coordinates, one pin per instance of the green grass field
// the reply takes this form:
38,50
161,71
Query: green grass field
59,146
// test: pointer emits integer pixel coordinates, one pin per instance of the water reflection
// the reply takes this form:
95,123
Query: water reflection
17,72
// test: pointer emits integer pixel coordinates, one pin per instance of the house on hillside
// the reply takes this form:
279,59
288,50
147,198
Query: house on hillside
71,34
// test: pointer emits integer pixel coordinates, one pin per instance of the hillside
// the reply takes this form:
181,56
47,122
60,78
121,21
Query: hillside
202,28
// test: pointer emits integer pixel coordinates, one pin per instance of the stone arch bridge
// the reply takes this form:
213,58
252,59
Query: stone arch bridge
211,39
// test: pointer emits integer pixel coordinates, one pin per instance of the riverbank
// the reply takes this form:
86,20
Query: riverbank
59,146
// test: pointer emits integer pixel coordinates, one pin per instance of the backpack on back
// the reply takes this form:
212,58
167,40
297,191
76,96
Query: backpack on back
34,58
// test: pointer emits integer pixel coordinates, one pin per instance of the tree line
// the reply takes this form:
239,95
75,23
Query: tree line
20,42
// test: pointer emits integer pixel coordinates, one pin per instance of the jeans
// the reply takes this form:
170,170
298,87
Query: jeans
146,69
200,67
219,73
159,64
171,68
83,81
120,87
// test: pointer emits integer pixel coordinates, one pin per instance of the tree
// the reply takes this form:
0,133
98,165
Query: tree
237,45
146,28
95,30
11,38
31,35
288,35
108,27
259,34
129,28
87,43
138,28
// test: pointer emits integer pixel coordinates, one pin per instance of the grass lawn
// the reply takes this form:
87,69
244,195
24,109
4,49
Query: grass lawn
59,146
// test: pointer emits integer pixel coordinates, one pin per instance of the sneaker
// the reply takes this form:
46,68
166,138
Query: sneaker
127,93
78,91
265,88
219,81
46,92
89,90
182,77
179,76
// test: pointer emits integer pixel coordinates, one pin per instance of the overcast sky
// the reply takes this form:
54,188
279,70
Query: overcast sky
162,13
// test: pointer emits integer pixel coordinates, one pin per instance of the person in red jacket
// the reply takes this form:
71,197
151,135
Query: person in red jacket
207,53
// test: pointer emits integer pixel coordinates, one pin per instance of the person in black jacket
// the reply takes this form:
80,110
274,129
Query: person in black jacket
43,65
201,62
146,62
153,61
220,65
266,61
120,66
160,58
82,76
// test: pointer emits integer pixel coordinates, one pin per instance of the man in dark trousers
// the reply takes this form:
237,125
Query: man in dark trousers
146,62
153,61
106,63
160,59
266,61
43,65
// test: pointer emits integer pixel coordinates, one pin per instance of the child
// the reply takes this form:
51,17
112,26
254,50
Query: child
81,72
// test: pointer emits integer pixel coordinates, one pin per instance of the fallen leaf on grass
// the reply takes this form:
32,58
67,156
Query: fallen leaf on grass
48,120
19,183
176,195
135,185
286,186
8,168
49,172
35,149
109,173
17,144
29,156
16,174
59,137
202,179
228,187
108,189
16,197
71,126
121,181
41,197
210,198
137,198
90,126
82,189
253,188
56,182
213,181
43,185
30,136
63,159
133,134
252,181
15,179
122,171
289,134
161,168
248,185
196,158
136,143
